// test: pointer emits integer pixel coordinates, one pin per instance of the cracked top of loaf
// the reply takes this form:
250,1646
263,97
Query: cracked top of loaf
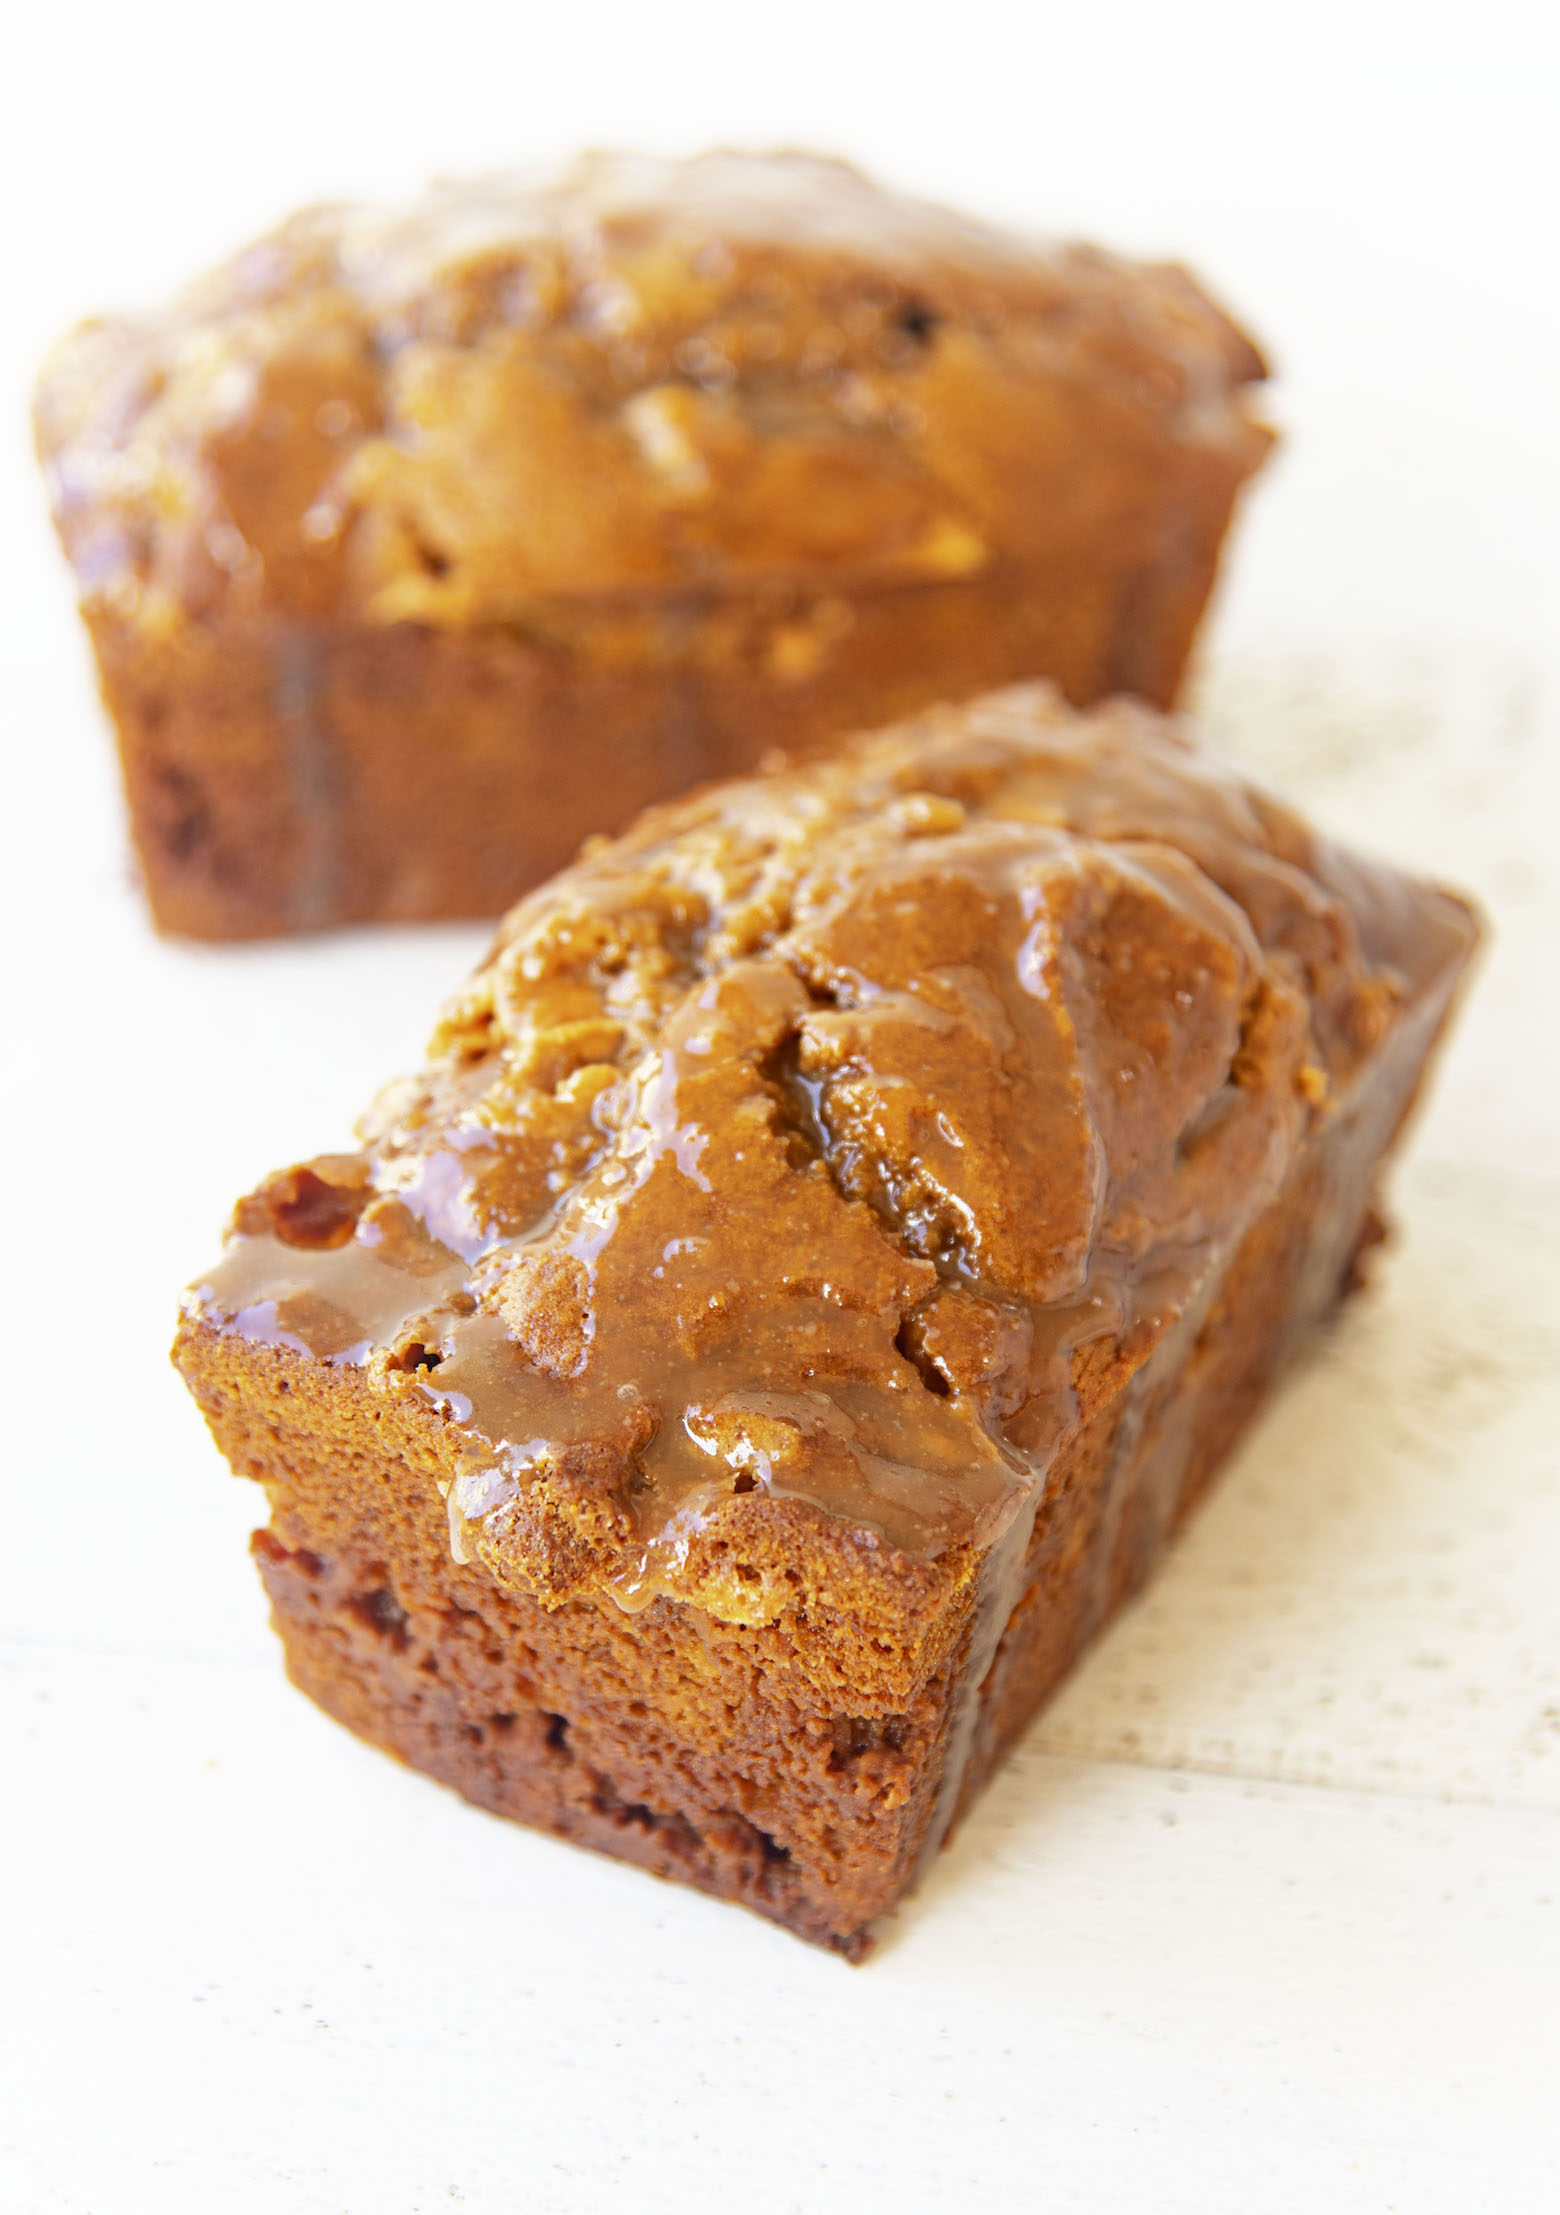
634,378
833,1142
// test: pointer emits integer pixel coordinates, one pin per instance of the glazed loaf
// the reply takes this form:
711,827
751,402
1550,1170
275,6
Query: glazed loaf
416,547
838,1231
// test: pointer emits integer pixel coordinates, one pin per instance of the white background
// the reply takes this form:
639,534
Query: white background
1266,1913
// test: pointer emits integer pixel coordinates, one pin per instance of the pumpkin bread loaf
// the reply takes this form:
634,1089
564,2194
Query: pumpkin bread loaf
837,1234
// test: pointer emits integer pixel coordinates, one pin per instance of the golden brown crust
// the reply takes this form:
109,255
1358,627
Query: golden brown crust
852,1201
708,456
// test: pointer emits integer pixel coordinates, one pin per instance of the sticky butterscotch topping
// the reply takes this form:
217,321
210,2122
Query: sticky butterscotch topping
566,401
833,1137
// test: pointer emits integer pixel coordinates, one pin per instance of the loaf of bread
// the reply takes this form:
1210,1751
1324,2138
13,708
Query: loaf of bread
838,1232
416,547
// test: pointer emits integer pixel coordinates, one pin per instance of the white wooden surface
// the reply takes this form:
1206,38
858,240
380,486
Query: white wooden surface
1264,1915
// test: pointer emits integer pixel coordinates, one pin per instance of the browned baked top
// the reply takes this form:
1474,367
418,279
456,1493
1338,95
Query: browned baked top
841,1138
632,378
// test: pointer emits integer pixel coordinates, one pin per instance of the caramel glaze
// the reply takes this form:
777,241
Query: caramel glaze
832,1136
604,405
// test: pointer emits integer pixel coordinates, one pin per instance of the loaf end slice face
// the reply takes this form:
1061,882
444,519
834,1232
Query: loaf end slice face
837,1233
417,545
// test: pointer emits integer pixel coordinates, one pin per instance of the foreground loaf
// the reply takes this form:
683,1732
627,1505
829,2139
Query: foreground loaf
415,547
838,1232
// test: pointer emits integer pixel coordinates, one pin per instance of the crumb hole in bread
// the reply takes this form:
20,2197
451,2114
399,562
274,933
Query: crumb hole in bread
674,1832
558,1734
606,1802
414,1356
382,1613
854,1735
917,321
